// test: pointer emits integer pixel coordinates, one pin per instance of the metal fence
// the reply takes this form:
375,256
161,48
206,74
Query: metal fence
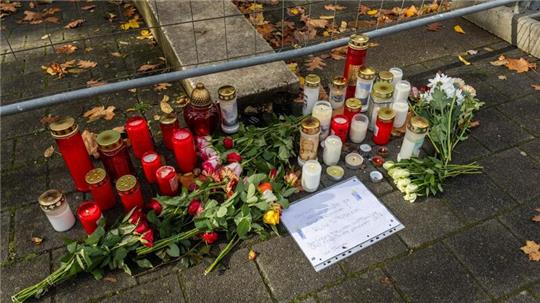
372,22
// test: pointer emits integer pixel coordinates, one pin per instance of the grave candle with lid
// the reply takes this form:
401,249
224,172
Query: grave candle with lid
101,188
381,97
139,136
337,92
366,76
201,114
71,146
352,107
414,138
130,192
356,55
114,154
311,93
340,127
309,139
89,215
168,124
323,112
383,126
229,109
56,208
385,76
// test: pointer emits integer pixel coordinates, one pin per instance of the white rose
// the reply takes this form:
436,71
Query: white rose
388,165
411,188
411,197
404,182
392,172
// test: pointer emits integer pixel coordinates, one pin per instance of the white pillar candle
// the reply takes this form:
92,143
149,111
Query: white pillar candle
323,112
398,75
414,138
359,126
311,92
311,175
401,91
56,208
229,109
401,109
332,150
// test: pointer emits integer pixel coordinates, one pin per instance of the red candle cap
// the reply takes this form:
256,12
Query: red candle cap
149,157
165,171
89,209
181,134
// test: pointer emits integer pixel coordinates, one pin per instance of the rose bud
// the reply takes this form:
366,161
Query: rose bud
273,173
194,208
141,227
210,237
135,216
155,206
228,142
192,187
234,157
147,238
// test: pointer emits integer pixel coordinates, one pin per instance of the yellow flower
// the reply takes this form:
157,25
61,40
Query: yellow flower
271,217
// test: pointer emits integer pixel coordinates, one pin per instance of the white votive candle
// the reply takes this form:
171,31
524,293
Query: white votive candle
398,75
311,175
401,91
311,92
359,126
56,208
332,150
401,109
323,112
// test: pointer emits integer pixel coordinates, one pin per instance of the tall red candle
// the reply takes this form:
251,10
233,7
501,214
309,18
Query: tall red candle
130,192
101,188
356,55
202,115
167,181
168,124
71,146
340,127
139,136
89,215
114,154
383,126
151,161
352,107
184,150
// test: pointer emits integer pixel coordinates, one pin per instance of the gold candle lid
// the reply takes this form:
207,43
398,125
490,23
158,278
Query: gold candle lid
339,82
126,183
386,114
63,127
312,80
311,125
168,119
418,125
51,199
353,104
386,76
200,96
382,90
359,41
95,176
227,93
109,140
366,73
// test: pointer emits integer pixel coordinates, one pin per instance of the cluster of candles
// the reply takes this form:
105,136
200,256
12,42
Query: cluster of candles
359,100
202,117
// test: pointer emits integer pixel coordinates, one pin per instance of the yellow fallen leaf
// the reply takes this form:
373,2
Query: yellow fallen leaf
532,250
293,67
133,23
145,34
459,29
157,117
252,255
165,106
162,86
463,60
48,152
37,240
372,12
411,11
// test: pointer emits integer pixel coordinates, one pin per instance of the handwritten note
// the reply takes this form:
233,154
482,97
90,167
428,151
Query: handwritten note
338,221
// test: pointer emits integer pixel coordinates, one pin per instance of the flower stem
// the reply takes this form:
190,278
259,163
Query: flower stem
222,254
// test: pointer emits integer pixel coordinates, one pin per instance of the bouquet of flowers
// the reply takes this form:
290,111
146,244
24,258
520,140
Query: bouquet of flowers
449,106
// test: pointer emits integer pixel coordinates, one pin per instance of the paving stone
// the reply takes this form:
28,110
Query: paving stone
532,148
522,297
240,282
166,289
376,253
517,174
525,111
6,156
536,289
4,235
497,132
434,275
367,287
468,150
11,126
288,272
22,186
23,274
309,300
425,220
29,149
492,254
475,197
490,95
32,222
520,223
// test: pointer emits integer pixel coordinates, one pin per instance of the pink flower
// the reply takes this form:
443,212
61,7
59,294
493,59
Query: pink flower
195,208
235,167
155,206
147,238
210,237
234,157
211,164
142,227
228,142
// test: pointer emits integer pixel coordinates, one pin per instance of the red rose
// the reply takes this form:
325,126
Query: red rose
192,187
194,208
155,206
141,227
234,157
273,173
210,237
135,216
147,238
228,142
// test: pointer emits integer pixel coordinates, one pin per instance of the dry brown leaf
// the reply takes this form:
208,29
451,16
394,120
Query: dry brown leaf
37,240
117,54
88,49
317,23
66,49
472,52
48,119
55,69
74,23
52,19
338,53
314,63
110,16
488,49
334,7
110,279
162,86
157,117
86,64
434,27
48,152
520,65
323,95
536,86
501,77
50,11
474,124
108,114
129,11
89,139
459,29
9,7
147,67
90,7
32,17
536,218
99,112
92,83
165,106
182,100
500,61
119,129
532,250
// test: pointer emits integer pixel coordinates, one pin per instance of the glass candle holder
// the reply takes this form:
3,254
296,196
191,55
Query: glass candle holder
323,112
356,55
168,124
184,150
381,97
364,83
311,93
229,109
56,209
401,109
414,138
89,214
402,89
309,139
383,126
359,126
139,136
114,154
130,193
101,188
71,146
167,181
337,92
151,161
340,127
332,150
397,74
311,175
201,114
352,107
385,76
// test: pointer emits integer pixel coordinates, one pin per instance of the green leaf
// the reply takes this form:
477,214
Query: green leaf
119,256
152,217
173,250
97,273
144,263
95,236
222,211
283,153
289,192
256,178
251,191
263,205
243,227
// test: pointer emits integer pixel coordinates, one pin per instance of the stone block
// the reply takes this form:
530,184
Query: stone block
519,221
467,151
532,148
522,297
376,253
5,231
497,132
434,275
6,156
166,289
526,112
17,276
22,186
493,256
29,149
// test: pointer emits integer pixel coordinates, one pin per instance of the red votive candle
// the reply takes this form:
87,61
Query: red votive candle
130,193
168,125
71,146
139,136
89,215
151,161
184,150
383,126
167,181
114,154
356,55
101,188
340,127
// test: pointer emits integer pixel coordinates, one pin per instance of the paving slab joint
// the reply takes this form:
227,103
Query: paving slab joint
400,292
